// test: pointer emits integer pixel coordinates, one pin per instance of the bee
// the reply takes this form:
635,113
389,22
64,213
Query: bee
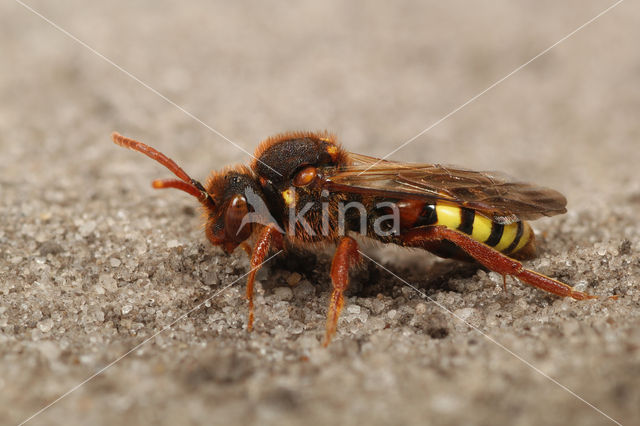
304,190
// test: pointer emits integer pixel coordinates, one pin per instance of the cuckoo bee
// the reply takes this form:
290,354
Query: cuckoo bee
304,190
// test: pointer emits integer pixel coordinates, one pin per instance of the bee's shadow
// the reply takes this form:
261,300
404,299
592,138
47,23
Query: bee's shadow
438,276
297,260
369,279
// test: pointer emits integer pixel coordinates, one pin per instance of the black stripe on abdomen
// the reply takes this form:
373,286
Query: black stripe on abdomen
428,216
516,240
467,217
496,234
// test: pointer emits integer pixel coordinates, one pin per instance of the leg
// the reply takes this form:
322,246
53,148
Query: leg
246,247
268,236
345,257
492,259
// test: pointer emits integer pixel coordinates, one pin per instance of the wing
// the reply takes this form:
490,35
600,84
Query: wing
496,195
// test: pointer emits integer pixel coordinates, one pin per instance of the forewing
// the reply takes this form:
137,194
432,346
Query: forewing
495,194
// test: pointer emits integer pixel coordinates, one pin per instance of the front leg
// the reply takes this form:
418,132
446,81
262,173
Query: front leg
345,257
492,259
269,236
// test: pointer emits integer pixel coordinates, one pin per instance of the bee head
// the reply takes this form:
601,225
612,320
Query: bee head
224,199
235,194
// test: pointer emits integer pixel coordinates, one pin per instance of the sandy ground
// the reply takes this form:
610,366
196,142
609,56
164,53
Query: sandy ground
93,262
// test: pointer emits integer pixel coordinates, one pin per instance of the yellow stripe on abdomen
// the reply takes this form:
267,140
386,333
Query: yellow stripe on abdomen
508,238
508,235
527,234
448,216
481,228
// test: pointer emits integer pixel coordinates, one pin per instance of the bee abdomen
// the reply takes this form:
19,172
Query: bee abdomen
508,239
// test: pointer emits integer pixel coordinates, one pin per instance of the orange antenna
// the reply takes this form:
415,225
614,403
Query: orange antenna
186,184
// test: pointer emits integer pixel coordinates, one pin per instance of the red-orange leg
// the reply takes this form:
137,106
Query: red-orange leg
269,236
345,257
492,259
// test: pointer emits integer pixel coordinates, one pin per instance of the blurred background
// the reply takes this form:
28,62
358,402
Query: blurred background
374,73
186,76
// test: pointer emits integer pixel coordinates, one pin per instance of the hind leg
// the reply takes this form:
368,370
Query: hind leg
491,259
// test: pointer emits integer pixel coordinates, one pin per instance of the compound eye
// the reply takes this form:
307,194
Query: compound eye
236,211
305,176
